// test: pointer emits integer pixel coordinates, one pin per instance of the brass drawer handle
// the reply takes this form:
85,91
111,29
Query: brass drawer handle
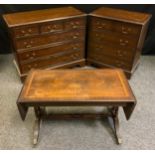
75,56
126,30
123,42
75,48
75,36
32,66
23,31
28,46
52,28
74,26
48,27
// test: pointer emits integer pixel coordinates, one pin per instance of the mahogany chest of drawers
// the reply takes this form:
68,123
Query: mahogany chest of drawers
115,38
51,38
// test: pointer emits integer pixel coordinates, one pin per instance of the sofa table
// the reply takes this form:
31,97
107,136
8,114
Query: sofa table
85,88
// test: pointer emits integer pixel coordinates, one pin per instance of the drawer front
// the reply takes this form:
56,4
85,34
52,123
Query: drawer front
23,31
57,59
114,51
63,25
34,54
75,23
49,39
121,40
112,61
121,27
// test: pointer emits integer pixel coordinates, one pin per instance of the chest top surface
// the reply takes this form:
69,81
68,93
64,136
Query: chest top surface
76,85
122,15
38,16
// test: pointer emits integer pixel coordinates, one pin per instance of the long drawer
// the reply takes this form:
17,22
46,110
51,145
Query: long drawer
115,26
110,61
28,43
57,59
49,27
114,51
113,37
34,54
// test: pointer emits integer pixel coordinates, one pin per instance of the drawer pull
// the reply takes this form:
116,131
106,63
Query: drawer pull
126,30
75,48
75,37
23,31
75,56
123,42
28,46
74,26
48,27
30,30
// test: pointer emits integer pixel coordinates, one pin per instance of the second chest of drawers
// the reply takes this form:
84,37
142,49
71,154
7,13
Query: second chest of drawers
51,38
115,38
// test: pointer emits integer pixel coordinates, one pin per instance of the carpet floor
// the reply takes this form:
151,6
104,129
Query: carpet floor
137,133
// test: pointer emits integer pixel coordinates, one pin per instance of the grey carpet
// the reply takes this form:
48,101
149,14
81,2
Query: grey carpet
137,133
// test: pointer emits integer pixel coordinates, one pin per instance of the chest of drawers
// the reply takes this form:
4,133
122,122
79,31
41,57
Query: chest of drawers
115,38
51,38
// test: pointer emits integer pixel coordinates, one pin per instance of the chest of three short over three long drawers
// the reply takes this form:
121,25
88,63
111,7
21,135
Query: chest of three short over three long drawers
51,38
116,37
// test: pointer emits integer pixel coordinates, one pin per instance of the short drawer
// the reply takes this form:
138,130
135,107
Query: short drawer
74,23
112,61
28,43
54,60
113,37
23,31
111,50
121,27
34,54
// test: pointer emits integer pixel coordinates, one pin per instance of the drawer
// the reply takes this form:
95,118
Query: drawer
28,43
75,23
110,50
23,31
121,27
34,54
112,61
51,27
54,60
115,38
